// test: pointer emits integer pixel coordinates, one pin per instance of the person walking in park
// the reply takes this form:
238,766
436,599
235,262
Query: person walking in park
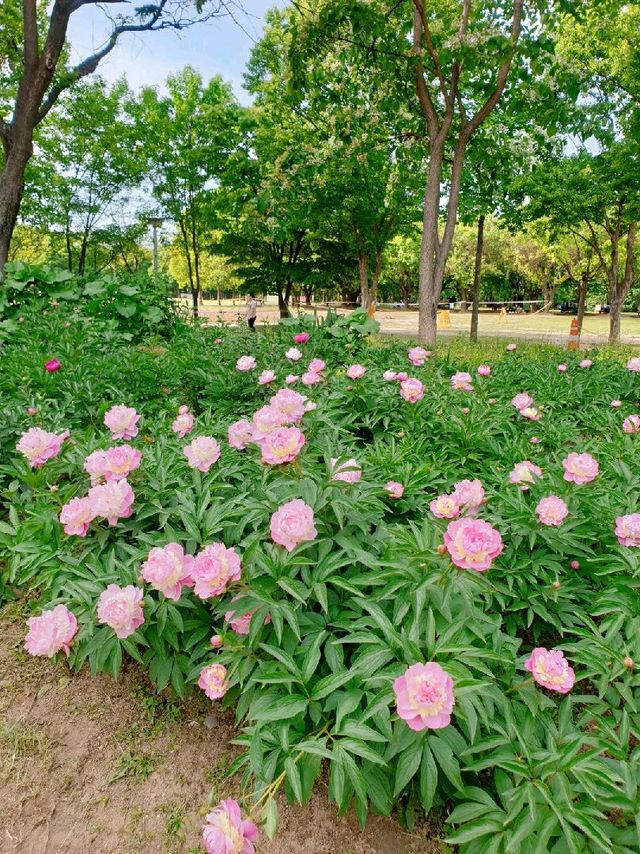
252,311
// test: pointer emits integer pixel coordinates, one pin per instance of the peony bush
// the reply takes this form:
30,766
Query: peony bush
390,583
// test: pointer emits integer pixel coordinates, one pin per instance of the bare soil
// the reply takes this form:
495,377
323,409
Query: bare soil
88,764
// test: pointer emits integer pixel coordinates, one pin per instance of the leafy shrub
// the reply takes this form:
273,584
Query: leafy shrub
373,591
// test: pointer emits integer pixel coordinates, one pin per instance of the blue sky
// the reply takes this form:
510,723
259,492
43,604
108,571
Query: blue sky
217,47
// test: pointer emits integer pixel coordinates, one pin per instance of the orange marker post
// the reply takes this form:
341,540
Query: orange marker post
574,335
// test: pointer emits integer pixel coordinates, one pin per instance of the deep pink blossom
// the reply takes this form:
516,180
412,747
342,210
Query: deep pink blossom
301,338
52,366
472,543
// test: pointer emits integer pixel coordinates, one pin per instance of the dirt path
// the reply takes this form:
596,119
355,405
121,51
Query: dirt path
92,765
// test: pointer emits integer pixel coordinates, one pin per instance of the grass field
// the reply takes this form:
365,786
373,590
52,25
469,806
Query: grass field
544,327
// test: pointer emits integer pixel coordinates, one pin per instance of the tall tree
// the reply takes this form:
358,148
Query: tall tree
35,71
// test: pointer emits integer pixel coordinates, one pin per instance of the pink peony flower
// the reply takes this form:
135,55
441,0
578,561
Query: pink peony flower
167,569
469,495
240,433
633,364
38,445
628,530
316,366
628,662
213,681
290,379
461,381
574,564
242,624
269,418
111,500
290,405
585,363
401,376
550,669
95,465
293,354
356,372
411,390
349,472
246,363
120,461
293,524
522,401
510,348
214,568
472,543
120,608
484,371
51,631
282,446
76,516
552,510
562,368
465,410
217,641
424,696
616,404
310,378
301,338
631,424
531,413
524,473
52,366
394,489
122,421
389,376
183,424
226,832
31,411
534,440
418,356
266,377
218,341
202,453
580,468
445,507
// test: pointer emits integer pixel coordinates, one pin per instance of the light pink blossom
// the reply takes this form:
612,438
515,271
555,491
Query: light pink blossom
552,510
585,363
580,468
389,376
411,390
633,364
510,348
95,465
293,354
356,372
213,569
628,530
349,471
167,569
524,473
120,461
550,669
472,543
290,405
316,366
631,424
616,404
522,401
445,507
122,421
484,370
246,363
240,433
111,500
217,641
202,453
531,413
31,411
424,696
51,631
562,368
183,424
266,377
401,376
120,608
38,445
394,489
461,381
269,418
418,356
534,440
282,446
292,524
469,495
242,623
226,832
290,379
213,681
76,516
310,378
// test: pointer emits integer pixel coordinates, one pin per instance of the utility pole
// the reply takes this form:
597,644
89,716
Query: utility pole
155,222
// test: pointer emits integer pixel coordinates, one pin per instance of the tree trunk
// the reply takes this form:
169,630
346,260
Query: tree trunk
619,290
283,301
428,293
11,189
582,301
477,270
363,275
82,258
373,290
308,294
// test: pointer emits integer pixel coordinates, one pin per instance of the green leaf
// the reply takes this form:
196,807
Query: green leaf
293,776
281,708
408,764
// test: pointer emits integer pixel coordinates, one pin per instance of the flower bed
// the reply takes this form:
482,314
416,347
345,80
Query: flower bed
415,576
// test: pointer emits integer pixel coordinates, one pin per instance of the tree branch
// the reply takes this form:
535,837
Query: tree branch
419,5
30,29
426,104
